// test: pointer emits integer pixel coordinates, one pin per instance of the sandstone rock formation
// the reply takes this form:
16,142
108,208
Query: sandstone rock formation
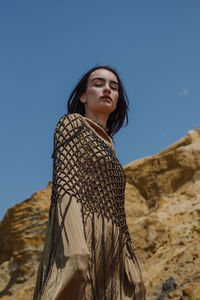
163,211
166,187
22,235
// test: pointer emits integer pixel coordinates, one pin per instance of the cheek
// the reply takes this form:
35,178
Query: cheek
117,98
92,92
115,102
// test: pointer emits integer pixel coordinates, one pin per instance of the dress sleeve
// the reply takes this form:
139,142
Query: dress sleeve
63,271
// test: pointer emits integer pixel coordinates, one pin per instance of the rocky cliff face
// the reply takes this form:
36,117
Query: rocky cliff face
21,242
163,209
163,212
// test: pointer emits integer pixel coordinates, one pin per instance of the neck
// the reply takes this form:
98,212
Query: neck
100,119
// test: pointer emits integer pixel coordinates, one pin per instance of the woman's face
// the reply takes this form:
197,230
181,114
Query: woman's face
102,94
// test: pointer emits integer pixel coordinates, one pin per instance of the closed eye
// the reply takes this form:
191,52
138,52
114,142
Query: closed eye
115,88
98,84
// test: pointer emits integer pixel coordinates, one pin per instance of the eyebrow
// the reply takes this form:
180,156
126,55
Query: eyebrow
102,79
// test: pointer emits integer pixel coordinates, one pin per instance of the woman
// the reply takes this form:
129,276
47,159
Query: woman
88,252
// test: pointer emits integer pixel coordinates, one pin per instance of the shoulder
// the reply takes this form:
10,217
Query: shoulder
69,122
68,127
70,119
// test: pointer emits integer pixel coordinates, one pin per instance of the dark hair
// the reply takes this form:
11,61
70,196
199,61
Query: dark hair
116,118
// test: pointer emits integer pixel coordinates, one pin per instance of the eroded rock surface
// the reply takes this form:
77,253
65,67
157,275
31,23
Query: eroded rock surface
163,212
166,237
21,243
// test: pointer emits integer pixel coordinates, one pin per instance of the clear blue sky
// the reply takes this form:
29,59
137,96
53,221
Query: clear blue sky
45,47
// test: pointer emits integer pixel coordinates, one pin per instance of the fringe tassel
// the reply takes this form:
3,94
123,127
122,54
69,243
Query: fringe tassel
120,263
94,255
104,258
112,251
89,267
54,246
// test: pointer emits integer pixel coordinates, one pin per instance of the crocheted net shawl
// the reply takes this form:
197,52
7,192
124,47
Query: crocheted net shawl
87,233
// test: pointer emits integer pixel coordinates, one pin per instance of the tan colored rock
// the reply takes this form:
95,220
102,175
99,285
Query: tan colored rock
166,239
22,236
189,289
163,215
175,294
196,293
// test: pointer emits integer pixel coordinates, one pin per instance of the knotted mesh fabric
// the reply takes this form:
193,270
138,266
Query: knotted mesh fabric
87,171
86,167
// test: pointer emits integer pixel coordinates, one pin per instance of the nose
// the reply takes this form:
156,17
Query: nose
107,89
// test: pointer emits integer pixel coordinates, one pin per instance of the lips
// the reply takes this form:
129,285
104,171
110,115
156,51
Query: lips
106,98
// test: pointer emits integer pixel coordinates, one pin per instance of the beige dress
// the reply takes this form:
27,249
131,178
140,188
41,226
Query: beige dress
87,253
